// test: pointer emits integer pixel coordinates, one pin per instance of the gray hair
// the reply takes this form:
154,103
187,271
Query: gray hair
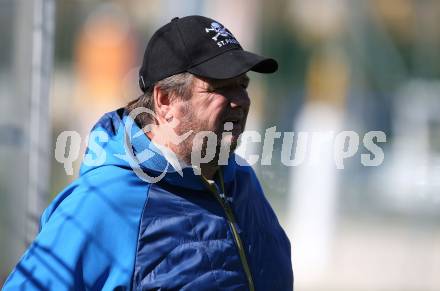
178,86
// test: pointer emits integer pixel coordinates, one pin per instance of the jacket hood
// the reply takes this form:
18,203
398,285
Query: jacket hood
116,140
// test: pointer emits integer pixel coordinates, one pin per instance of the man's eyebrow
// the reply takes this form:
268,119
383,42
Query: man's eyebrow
215,84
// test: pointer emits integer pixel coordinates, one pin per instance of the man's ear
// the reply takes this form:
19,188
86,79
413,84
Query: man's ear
162,102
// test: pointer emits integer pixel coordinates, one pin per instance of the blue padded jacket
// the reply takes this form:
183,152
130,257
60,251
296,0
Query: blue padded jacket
112,230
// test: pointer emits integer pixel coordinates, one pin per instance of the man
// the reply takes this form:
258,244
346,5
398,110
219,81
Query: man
171,209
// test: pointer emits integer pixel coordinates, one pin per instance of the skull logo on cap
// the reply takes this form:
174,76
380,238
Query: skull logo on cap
219,30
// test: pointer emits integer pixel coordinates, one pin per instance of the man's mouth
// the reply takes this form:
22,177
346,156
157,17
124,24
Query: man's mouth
236,122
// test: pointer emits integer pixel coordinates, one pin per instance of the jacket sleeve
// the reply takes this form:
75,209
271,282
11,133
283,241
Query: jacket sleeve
87,240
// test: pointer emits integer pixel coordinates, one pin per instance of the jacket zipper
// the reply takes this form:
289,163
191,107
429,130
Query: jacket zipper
221,198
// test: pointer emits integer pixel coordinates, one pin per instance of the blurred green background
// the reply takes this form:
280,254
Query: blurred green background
371,65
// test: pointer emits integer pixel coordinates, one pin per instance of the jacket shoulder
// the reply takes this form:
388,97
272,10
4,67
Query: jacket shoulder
88,235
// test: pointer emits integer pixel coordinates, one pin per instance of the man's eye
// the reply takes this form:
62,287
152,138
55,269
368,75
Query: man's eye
217,89
229,87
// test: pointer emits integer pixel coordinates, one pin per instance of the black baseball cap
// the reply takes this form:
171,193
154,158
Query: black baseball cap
201,46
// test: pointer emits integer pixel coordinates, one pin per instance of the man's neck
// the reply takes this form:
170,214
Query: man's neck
208,171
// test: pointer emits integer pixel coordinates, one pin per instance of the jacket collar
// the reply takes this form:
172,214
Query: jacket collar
155,162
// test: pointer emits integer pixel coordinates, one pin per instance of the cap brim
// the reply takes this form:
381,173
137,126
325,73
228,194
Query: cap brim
233,63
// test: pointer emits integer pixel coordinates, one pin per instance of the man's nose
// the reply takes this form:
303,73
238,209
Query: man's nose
240,99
